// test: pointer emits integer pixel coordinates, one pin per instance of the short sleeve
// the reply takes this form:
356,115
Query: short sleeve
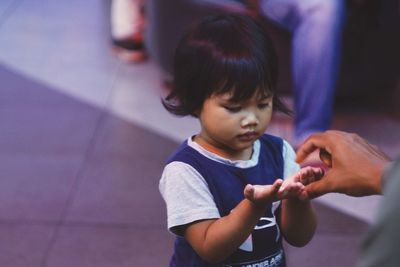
289,158
187,196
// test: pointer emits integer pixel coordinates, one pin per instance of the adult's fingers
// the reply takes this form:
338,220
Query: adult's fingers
318,188
312,143
326,141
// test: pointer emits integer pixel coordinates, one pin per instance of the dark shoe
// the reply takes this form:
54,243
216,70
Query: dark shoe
129,50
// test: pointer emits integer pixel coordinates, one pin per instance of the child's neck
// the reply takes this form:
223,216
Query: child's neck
224,152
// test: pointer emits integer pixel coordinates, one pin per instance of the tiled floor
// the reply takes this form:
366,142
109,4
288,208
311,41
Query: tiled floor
82,143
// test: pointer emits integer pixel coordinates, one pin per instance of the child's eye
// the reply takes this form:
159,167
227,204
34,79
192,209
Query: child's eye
263,105
233,108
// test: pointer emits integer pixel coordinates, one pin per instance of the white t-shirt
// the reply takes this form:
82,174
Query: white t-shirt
194,201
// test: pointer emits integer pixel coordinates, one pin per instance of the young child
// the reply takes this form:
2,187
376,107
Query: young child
221,186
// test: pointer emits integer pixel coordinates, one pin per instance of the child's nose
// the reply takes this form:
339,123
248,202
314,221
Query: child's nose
250,119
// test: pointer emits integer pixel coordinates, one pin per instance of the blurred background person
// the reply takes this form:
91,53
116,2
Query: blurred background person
127,27
316,29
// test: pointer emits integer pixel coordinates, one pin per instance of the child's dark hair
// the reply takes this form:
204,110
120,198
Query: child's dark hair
224,53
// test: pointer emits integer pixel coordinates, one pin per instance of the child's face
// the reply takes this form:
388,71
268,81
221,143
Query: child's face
234,126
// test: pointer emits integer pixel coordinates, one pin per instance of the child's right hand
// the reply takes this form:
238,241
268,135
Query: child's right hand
262,194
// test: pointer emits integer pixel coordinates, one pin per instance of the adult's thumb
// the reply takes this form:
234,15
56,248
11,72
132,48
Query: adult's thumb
317,188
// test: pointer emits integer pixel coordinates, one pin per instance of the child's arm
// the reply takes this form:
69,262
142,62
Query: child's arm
216,240
297,220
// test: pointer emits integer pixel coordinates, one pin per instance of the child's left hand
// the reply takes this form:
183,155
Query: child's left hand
293,186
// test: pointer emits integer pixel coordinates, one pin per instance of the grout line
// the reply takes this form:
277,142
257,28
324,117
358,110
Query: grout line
9,11
84,224
81,169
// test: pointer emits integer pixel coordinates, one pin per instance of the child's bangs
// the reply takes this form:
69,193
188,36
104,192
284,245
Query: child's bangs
243,77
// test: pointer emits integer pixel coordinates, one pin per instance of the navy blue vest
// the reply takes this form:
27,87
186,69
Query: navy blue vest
226,184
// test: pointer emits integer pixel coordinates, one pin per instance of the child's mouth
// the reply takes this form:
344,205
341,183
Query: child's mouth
248,136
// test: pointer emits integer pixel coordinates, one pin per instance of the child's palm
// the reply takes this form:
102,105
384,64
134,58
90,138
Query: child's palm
262,194
293,186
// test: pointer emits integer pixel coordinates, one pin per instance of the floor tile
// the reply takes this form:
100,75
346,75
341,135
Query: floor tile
6,7
36,187
36,119
335,243
24,245
137,96
81,246
66,46
327,251
45,135
120,182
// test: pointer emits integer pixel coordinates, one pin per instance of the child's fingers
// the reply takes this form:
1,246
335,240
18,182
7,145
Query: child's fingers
284,185
262,193
249,192
277,184
319,174
272,190
284,188
295,183
310,174
289,189
307,175
273,194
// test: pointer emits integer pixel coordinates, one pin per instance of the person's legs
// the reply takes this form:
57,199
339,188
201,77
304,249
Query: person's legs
127,24
316,26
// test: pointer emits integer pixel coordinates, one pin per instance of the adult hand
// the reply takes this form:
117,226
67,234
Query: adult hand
356,165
